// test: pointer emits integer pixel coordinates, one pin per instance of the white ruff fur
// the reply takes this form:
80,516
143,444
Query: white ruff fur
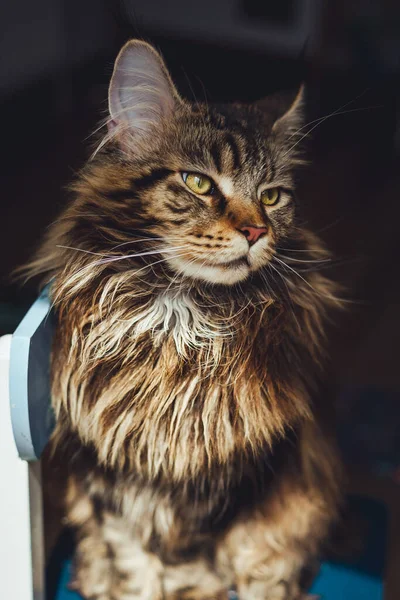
178,316
170,314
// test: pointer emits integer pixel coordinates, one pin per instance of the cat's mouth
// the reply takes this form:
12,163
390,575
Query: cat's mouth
226,272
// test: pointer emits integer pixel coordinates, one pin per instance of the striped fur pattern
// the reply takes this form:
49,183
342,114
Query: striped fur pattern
185,359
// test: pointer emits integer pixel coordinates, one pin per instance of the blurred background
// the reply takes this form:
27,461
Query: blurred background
56,61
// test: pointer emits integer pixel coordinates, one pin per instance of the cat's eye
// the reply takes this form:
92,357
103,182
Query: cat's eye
270,196
198,183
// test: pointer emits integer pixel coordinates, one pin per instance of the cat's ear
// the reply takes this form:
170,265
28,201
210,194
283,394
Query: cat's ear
293,116
141,93
284,110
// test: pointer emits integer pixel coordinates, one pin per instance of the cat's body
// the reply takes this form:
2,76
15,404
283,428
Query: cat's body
185,358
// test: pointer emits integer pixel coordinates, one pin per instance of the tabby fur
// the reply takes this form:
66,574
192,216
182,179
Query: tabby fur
182,384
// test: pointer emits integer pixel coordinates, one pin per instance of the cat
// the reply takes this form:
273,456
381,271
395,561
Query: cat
189,344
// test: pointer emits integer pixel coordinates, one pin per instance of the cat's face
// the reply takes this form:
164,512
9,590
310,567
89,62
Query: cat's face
218,190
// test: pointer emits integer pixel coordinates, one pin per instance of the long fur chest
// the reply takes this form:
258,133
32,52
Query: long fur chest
171,390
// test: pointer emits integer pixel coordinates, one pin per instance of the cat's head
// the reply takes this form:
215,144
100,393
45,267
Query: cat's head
213,184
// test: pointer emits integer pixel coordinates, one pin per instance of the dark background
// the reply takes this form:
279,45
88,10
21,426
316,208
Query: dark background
56,61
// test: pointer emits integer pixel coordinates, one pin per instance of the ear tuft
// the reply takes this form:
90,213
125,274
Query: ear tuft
141,93
293,118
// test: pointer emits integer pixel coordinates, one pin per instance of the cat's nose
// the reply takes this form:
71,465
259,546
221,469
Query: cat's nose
253,233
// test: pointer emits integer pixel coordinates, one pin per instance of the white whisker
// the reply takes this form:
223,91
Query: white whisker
310,251
320,121
311,260
108,259
139,254
148,239
335,112
80,250
305,280
289,295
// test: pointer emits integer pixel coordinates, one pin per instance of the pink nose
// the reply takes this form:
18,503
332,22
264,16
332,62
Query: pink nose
252,233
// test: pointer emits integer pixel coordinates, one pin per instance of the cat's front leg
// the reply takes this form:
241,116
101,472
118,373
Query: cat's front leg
142,575
110,564
92,571
271,577
266,549
137,574
93,568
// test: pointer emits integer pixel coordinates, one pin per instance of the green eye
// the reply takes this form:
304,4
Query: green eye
270,196
197,183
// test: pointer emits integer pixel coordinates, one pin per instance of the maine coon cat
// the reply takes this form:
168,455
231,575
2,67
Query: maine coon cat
188,348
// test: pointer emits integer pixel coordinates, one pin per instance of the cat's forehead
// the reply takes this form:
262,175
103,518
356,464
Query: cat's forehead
227,140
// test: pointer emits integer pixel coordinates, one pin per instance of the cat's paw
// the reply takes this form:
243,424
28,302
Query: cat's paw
93,581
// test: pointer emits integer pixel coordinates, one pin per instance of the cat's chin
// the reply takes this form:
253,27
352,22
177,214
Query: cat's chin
227,274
